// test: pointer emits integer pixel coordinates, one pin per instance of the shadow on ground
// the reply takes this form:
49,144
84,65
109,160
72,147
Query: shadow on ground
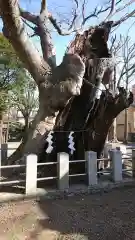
101,216
106,216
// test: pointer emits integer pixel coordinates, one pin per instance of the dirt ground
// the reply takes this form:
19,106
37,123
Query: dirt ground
102,216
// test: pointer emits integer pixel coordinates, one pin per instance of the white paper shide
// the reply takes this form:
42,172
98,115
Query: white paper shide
71,143
49,140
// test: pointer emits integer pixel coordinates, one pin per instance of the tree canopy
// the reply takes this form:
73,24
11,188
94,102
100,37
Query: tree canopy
16,86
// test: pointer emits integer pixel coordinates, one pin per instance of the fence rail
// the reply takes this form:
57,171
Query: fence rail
3,183
46,163
13,166
63,166
46,178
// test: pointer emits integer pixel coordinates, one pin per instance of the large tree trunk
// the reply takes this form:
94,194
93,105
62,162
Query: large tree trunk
93,135
88,116
68,94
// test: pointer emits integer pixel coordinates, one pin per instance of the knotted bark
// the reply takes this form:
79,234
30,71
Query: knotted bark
68,94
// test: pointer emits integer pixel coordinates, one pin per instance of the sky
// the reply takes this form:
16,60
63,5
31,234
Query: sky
64,8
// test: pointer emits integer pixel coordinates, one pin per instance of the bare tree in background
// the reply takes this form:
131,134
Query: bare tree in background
124,50
24,98
67,93
115,49
127,73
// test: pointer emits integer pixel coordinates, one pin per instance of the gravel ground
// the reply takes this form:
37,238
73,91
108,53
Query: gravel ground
102,216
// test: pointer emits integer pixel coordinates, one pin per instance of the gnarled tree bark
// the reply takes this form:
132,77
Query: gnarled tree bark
68,98
54,92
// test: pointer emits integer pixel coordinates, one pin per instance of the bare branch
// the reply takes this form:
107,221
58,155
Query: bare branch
43,6
128,67
83,9
33,28
132,72
28,16
77,5
43,32
48,50
116,46
14,30
59,30
71,28
113,39
73,21
123,19
75,15
111,10
95,13
123,7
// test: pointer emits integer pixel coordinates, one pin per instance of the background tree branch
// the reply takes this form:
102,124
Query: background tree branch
124,18
28,16
43,32
127,61
43,6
